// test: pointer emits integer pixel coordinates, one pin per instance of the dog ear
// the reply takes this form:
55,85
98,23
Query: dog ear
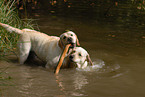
69,51
60,44
89,60
77,40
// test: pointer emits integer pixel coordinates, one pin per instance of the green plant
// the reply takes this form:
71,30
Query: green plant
9,15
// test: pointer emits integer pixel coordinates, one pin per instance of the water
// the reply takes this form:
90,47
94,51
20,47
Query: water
116,45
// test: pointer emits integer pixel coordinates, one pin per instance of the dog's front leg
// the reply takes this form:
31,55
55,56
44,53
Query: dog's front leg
48,66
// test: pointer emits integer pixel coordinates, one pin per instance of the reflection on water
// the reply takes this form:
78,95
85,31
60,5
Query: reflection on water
80,81
74,85
26,82
116,39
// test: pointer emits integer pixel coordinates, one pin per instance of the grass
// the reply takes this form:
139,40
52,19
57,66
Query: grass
9,15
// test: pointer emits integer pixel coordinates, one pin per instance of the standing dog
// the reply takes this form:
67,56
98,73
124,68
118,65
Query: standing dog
47,48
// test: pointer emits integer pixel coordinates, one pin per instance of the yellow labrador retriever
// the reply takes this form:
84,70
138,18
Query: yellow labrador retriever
78,57
47,48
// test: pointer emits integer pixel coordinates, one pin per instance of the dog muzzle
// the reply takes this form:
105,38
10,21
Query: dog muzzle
72,45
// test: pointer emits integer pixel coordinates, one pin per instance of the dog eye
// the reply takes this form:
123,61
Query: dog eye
64,37
73,51
71,34
80,54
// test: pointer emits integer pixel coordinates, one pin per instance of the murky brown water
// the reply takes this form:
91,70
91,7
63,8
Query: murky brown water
116,44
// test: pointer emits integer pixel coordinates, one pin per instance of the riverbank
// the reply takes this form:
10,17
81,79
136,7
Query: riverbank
9,15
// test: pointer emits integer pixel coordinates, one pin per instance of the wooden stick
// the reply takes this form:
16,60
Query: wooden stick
62,58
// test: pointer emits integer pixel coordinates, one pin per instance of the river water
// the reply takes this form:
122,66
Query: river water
116,44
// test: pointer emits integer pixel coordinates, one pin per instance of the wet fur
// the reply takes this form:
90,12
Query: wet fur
78,57
47,48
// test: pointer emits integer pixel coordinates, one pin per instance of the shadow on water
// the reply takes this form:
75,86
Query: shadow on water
113,34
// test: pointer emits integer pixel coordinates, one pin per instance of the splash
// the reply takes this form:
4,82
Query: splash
96,66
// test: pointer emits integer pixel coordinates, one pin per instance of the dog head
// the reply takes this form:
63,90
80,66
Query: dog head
80,56
69,37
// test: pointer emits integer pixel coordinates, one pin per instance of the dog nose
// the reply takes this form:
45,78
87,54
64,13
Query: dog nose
69,39
71,57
